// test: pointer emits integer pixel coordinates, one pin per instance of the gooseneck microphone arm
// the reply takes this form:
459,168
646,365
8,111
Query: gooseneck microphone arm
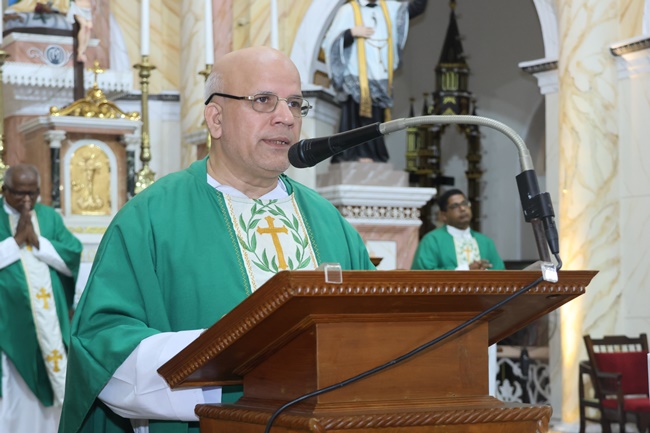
537,207
400,124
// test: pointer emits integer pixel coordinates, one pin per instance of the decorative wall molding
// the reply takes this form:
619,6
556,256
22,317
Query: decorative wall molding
30,75
632,56
546,73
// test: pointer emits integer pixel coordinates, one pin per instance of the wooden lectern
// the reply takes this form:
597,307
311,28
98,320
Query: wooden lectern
298,333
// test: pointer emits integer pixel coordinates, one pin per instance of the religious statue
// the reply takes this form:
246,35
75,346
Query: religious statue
363,47
60,6
81,10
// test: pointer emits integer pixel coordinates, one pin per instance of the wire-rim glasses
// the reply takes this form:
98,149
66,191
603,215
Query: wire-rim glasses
267,102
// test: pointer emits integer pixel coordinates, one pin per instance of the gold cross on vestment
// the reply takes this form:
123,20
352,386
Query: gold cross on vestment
44,295
55,357
468,253
273,231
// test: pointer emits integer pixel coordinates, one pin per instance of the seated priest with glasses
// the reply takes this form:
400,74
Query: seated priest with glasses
455,245
192,246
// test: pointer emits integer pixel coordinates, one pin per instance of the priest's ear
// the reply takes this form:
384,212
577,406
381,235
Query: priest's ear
213,113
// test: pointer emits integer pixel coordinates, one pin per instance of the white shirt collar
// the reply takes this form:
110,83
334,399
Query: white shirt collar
364,3
8,209
458,233
280,191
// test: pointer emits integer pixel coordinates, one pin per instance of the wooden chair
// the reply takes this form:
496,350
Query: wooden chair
618,371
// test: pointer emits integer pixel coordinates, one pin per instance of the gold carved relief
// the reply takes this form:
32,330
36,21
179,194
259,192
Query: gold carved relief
90,174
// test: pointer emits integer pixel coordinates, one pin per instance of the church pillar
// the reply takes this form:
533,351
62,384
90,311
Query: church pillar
633,61
191,84
54,138
589,178
132,145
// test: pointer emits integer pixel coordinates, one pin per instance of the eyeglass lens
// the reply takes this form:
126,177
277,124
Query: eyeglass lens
266,103
464,203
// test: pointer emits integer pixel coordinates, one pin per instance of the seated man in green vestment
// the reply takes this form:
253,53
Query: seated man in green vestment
455,245
39,261
189,248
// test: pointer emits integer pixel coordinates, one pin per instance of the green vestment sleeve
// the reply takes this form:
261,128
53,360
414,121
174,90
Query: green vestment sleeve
170,262
18,338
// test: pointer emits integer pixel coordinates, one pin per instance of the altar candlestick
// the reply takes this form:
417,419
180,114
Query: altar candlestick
209,43
144,29
274,25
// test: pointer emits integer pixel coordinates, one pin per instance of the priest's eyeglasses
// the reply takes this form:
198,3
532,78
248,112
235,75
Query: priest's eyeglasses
267,102
464,203
22,194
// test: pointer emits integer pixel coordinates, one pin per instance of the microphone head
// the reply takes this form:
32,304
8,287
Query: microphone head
296,156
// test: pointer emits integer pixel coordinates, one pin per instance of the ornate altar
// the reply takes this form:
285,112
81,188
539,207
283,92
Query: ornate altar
85,153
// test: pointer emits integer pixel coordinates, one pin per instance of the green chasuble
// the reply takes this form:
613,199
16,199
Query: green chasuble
18,339
170,261
437,251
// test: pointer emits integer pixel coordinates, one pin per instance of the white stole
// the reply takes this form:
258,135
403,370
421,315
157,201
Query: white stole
46,320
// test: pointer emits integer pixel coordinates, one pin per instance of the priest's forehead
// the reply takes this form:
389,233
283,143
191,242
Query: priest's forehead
257,62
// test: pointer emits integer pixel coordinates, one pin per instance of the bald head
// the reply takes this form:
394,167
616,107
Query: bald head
21,187
231,68
21,173
253,110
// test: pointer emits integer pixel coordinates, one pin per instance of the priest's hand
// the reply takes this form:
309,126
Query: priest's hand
25,233
362,31
480,265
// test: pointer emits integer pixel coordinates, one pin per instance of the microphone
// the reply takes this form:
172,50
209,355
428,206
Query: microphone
311,151
536,206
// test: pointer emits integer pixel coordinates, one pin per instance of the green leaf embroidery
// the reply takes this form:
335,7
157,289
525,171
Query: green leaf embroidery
261,266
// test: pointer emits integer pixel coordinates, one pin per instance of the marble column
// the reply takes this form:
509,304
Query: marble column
633,61
589,178
54,138
132,145
192,60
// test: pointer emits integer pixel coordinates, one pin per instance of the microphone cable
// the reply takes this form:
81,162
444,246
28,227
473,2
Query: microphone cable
409,354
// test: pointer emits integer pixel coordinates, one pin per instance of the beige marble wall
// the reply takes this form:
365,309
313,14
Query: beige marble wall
191,62
589,177
165,41
252,19
222,27
631,18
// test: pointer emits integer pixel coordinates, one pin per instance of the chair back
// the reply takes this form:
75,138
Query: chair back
621,354
633,367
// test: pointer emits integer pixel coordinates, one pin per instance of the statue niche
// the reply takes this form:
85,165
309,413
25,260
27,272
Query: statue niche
90,173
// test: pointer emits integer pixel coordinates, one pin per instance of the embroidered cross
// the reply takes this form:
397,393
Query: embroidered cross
468,252
273,231
55,357
44,295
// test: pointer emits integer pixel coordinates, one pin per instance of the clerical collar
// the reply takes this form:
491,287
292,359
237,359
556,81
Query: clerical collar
458,233
280,191
367,3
